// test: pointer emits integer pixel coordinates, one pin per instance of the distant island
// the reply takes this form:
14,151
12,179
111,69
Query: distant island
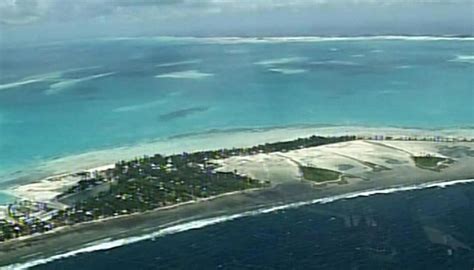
222,181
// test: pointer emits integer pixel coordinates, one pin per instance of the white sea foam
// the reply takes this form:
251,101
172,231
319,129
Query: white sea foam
193,225
404,67
64,84
16,84
281,61
335,62
388,92
464,59
288,71
47,77
236,51
188,74
301,39
33,79
58,74
179,63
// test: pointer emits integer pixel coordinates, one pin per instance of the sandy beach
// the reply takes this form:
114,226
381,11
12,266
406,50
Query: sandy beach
47,180
359,160
123,230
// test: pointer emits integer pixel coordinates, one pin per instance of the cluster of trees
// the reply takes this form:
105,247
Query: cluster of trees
155,181
10,230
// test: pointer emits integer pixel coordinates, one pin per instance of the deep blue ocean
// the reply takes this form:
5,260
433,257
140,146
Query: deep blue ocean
424,229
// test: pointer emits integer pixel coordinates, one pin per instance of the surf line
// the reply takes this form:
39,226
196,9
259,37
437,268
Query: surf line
197,224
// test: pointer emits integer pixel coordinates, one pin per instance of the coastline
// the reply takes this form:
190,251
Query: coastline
129,229
99,160
81,168
287,188
48,188
107,219
289,191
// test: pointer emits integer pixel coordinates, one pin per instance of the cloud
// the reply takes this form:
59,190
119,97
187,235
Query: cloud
28,11
22,11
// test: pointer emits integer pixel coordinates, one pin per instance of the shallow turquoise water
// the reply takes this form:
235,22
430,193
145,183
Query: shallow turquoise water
368,82
6,198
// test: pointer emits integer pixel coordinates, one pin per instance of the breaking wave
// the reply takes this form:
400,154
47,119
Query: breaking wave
242,40
188,74
179,63
64,84
47,77
464,59
288,71
197,224
281,61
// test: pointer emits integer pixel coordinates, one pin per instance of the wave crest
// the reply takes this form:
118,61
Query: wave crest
300,39
188,74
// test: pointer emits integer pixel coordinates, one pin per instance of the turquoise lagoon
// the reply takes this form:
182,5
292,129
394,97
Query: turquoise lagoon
62,99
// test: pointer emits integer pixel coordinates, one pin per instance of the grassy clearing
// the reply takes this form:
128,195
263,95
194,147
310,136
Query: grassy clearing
319,175
428,162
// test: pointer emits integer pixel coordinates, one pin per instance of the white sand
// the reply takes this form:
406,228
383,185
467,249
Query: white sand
355,158
46,189
217,140
101,168
280,169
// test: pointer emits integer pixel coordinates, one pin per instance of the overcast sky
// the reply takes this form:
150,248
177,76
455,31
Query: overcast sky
40,20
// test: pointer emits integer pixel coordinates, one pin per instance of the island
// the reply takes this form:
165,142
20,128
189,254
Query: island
149,193
143,184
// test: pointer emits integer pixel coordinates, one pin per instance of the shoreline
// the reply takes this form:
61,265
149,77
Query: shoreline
115,232
99,160
366,157
107,219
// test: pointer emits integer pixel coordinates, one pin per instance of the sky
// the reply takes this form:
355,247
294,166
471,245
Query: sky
43,20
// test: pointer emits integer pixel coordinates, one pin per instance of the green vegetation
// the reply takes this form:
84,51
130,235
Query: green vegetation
141,186
319,175
149,183
428,162
9,230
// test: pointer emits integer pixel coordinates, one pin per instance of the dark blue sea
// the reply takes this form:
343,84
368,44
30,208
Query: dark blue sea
422,229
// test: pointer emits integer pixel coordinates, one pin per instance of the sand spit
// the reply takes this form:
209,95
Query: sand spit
360,160
45,187
355,158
